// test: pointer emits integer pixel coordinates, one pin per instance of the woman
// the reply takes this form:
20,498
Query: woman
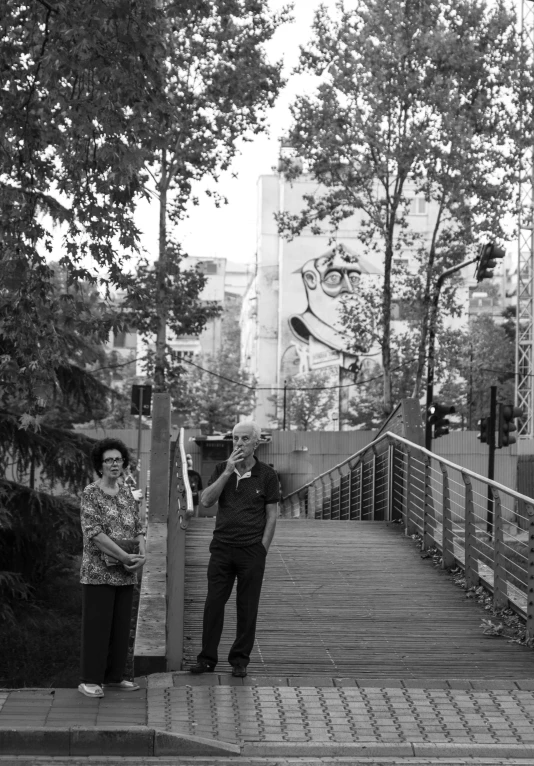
108,573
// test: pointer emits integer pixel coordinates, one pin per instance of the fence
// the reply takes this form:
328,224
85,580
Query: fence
478,524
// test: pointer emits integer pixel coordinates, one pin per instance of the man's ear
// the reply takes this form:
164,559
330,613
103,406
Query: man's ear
311,279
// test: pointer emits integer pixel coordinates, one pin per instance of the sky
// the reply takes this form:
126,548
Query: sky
230,231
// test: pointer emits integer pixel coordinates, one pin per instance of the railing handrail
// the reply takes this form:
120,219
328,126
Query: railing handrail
190,508
187,512
389,435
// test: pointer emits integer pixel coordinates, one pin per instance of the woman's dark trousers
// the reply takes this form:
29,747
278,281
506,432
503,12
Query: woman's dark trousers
227,563
106,615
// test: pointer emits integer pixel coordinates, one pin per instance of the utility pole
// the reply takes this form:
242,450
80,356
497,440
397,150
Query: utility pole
492,421
285,405
139,432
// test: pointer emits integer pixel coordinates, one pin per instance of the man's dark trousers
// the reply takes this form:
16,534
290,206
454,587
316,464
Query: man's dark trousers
228,562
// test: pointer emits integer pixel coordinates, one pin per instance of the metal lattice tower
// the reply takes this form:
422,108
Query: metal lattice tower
525,271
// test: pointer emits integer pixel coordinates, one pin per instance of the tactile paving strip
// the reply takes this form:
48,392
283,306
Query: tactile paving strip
306,714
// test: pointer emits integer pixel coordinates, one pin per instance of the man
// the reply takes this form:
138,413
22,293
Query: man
195,482
247,492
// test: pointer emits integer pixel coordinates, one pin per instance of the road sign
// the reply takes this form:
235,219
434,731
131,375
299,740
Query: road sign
141,395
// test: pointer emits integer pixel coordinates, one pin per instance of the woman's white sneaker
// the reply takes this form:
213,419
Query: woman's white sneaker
91,690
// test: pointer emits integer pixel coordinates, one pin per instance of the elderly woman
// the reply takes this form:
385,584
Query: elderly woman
113,554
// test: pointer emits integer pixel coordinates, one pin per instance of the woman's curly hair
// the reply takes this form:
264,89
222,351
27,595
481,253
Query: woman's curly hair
102,446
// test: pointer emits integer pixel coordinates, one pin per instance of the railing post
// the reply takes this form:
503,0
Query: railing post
360,499
471,568
311,501
332,495
427,543
302,505
391,473
447,544
500,593
409,527
322,499
530,579
373,486
349,495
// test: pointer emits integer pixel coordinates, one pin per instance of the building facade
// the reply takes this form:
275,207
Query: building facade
291,321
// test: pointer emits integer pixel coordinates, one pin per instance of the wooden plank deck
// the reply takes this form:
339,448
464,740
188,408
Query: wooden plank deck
354,599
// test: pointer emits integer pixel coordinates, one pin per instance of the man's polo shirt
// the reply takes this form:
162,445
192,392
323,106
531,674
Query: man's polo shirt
241,517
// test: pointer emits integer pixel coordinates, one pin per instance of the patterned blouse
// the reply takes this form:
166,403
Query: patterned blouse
118,517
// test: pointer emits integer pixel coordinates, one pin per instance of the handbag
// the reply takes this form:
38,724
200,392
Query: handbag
129,546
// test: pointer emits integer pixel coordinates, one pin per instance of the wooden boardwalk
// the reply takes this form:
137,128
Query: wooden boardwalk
354,599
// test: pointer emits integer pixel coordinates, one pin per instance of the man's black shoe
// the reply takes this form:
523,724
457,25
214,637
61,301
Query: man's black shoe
202,667
239,671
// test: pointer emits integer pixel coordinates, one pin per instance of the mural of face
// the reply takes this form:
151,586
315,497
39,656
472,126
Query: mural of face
336,276
327,280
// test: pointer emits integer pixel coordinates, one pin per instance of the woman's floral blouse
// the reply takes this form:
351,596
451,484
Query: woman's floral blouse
117,517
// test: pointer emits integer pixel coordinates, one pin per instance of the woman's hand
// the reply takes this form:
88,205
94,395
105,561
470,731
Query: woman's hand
137,495
133,561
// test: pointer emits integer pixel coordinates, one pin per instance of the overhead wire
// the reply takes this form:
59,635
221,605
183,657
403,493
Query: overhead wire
265,388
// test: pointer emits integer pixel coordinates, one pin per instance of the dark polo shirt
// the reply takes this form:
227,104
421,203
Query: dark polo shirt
241,517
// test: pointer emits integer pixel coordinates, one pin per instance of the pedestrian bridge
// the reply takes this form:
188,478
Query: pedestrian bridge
358,581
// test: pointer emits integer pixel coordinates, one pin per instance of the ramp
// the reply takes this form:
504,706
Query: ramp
353,599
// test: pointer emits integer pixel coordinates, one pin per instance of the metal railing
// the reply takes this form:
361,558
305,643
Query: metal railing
481,525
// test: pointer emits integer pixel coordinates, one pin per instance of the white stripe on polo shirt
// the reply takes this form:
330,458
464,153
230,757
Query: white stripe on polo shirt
246,475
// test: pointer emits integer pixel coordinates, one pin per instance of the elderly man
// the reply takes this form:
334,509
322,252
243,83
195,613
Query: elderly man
247,492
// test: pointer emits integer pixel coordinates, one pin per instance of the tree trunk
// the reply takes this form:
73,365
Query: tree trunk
421,354
161,268
427,302
386,333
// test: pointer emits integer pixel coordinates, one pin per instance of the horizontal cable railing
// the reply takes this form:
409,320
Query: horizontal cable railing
481,525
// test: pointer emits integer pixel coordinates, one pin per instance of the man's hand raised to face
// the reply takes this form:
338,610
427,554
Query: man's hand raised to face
235,457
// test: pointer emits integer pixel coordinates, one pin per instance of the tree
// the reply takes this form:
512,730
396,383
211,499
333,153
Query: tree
470,361
78,81
38,462
309,402
218,86
366,408
427,100
216,392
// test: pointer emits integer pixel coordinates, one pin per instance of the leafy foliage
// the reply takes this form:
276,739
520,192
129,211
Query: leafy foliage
77,86
471,361
38,535
423,100
310,399
218,86
216,399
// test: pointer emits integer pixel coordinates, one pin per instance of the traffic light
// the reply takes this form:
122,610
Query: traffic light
436,418
507,414
488,257
483,435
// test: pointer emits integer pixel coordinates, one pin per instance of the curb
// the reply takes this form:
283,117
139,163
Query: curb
140,741
371,749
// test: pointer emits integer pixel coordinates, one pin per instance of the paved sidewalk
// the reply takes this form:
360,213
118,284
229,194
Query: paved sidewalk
216,714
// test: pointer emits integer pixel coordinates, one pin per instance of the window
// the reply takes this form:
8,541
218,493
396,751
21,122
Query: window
208,267
119,340
418,206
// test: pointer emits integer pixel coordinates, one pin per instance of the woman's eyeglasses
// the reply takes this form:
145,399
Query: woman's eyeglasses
113,461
